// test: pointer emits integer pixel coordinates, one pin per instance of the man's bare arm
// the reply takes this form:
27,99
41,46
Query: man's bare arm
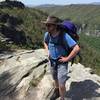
73,53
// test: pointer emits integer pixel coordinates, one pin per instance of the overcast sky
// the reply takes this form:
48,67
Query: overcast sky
59,2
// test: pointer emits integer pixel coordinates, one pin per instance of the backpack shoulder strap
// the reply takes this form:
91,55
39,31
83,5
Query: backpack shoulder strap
63,42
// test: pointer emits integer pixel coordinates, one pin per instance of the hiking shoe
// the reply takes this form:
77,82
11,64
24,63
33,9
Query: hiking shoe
55,94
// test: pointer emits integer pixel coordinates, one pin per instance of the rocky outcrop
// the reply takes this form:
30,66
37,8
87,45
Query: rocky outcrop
18,70
13,34
4,17
11,4
81,85
10,20
11,30
25,75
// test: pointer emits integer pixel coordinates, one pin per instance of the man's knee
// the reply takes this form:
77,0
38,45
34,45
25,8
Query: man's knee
62,86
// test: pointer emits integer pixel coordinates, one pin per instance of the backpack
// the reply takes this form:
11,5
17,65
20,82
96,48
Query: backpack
70,28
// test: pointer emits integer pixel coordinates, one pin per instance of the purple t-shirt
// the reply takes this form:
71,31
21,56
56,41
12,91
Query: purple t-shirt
57,51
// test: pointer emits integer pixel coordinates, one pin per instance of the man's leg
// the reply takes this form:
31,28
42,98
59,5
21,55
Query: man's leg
54,72
62,77
55,93
62,91
56,84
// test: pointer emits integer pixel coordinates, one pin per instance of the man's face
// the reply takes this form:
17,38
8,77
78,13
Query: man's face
50,28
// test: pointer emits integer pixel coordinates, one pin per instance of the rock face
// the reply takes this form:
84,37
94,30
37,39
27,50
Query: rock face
11,4
25,75
11,30
17,70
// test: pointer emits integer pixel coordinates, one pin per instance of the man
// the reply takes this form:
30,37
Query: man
58,54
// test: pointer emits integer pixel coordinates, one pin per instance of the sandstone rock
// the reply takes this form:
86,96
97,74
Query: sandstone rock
26,76
19,68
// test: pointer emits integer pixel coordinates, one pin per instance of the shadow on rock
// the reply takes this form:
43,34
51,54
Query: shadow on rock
83,90
6,88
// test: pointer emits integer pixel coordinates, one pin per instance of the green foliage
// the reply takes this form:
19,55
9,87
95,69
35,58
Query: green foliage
90,51
31,25
84,14
94,42
3,46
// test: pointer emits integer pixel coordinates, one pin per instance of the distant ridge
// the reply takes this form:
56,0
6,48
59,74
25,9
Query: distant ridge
48,5
55,5
43,5
96,3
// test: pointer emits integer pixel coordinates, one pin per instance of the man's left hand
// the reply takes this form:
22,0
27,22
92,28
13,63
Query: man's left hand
63,59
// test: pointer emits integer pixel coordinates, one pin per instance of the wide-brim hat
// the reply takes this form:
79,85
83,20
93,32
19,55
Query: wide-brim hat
52,20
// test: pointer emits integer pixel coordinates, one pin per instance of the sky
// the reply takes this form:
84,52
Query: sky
58,2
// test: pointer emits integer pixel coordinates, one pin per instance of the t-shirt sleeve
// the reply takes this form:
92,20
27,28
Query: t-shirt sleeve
69,40
46,37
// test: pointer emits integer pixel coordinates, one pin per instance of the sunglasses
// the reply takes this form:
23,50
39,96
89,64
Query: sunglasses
49,25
